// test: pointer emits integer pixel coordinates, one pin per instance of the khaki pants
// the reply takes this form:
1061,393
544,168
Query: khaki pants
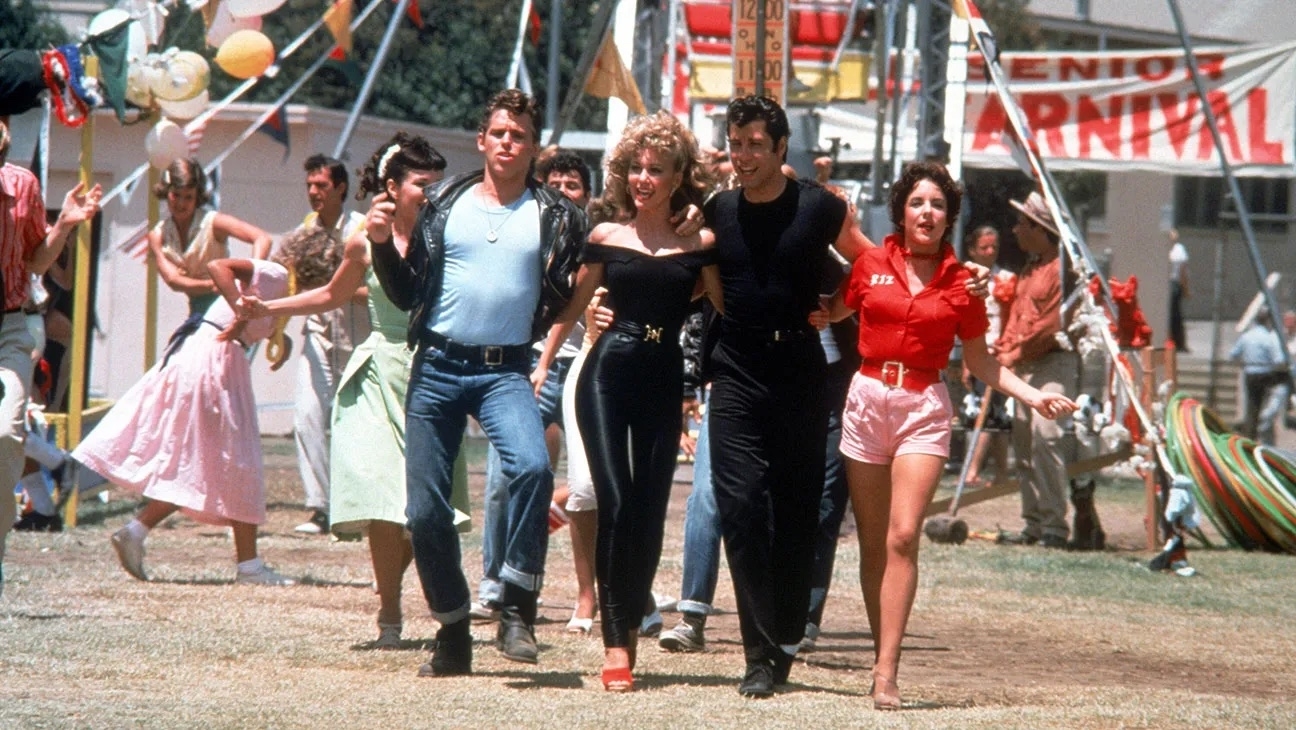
1044,448
16,345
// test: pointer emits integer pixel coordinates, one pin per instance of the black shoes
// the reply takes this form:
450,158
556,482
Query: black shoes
758,683
37,522
782,667
1015,538
515,638
453,654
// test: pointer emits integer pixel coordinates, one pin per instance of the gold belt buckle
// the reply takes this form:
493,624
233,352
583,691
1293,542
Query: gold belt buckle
652,334
893,372
493,355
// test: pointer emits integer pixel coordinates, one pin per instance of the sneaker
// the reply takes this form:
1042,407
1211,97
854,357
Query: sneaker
810,639
651,626
1053,542
389,637
316,525
1015,538
684,638
484,611
264,577
130,553
37,522
453,653
665,603
515,640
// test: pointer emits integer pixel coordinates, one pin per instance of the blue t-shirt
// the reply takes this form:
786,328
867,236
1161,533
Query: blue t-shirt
493,270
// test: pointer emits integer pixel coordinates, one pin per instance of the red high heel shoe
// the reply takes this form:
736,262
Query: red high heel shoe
618,679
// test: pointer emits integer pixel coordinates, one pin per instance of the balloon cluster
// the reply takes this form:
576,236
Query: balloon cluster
174,81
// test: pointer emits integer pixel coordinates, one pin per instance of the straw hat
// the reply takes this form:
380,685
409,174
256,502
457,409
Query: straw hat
1035,209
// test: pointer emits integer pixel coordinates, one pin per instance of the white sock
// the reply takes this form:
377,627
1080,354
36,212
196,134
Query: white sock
137,529
251,567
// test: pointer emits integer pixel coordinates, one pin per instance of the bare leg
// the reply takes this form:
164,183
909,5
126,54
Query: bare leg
870,493
391,553
894,574
584,530
245,539
154,512
553,442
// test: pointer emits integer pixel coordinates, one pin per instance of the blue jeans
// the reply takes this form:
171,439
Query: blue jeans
836,495
495,507
701,533
442,394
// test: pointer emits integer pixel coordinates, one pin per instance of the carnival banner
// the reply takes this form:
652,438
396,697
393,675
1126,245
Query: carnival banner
1138,109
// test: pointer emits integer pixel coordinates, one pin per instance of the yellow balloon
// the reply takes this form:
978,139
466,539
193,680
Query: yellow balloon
245,54
184,76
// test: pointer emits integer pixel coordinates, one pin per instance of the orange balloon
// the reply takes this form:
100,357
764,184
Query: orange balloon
245,54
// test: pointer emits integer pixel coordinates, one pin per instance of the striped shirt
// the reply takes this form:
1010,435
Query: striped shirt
22,229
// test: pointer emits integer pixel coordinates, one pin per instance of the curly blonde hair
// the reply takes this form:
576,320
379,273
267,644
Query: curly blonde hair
312,254
666,135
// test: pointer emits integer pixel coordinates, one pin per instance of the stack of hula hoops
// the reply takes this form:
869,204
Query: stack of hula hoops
1247,490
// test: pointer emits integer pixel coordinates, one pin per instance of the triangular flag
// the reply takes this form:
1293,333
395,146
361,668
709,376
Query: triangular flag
110,47
338,20
276,128
533,23
415,15
344,64
610,77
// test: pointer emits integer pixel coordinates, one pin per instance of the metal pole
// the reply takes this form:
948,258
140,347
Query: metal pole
1244,216
599,30
760,47
515,66
555,48
340,151
1217,304
672,57
881,58
151,281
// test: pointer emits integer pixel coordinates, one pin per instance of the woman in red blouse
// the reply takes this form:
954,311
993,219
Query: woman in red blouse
912,302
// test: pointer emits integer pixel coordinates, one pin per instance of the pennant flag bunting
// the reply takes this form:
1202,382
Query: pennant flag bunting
415,15
346,65
111,47
610,77
276,128
533,25
338,20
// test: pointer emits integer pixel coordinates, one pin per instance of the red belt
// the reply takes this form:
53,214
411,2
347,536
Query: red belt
895,374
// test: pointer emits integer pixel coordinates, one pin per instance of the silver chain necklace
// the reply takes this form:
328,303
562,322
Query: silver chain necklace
492,230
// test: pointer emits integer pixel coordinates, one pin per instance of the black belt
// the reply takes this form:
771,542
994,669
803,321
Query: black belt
645,332
11,311
489,355
763,334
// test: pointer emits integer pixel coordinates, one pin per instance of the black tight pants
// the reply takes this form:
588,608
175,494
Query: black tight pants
628,410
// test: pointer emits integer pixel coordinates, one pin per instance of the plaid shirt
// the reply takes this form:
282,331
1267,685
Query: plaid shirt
22,229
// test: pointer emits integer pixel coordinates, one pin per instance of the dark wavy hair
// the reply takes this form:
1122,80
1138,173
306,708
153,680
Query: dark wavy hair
394,159
566,161
336,168
184,174
666,135
312,254
747,109
517,103
916,172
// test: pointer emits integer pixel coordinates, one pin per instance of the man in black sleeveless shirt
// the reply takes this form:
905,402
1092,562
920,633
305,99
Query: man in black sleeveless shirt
768,419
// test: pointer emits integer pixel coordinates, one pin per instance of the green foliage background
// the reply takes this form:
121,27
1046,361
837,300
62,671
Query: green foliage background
441,75
25,25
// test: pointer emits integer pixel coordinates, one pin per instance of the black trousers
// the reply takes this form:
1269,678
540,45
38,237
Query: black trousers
628,404
768,427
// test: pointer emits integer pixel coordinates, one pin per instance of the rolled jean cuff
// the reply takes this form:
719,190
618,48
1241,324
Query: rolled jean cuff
449,617
694,607
529,581
490,590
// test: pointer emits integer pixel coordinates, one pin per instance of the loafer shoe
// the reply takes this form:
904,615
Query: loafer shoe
758,682
130,552
453,653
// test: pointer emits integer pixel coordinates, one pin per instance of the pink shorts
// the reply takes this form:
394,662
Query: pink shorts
881,423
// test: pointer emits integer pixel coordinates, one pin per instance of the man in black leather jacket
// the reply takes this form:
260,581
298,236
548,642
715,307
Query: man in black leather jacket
491,262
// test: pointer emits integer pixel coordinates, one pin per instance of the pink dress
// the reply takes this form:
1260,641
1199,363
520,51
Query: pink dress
187,432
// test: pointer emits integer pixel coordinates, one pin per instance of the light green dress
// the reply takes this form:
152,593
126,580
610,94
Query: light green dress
367,459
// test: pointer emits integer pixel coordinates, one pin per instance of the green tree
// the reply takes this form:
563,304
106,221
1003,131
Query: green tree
1014,28
441,75
26,26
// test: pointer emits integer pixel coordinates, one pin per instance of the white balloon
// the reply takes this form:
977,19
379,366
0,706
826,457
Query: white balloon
224,25
137,41
187,109
106,21
252,8
183,75
165,143
139,84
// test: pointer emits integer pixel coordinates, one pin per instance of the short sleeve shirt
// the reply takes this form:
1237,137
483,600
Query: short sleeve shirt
919,330
22,229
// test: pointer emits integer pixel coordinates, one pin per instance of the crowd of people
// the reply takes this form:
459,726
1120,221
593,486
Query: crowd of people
512,296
